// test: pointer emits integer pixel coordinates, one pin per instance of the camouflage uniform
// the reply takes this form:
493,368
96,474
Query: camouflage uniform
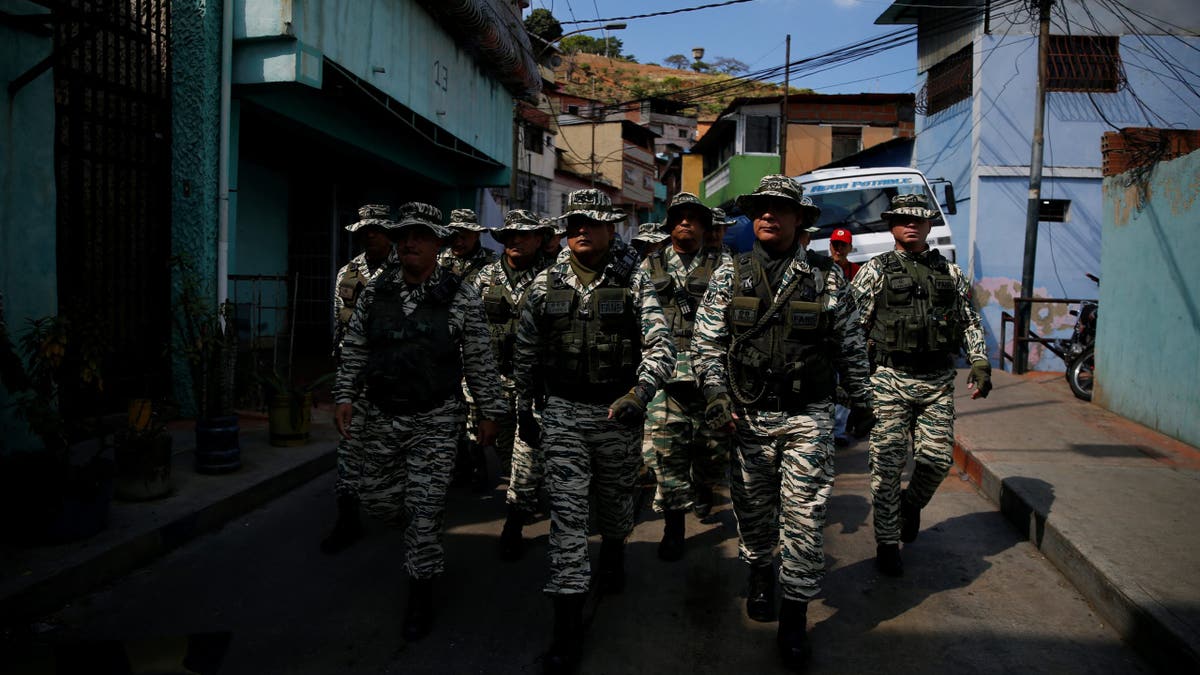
352,278
582,446
683,450
913,397
503,291
408,456
782,470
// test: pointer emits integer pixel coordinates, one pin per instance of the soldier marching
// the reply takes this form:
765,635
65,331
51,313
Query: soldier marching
705,365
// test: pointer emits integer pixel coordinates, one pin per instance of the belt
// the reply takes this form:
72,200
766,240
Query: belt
917,362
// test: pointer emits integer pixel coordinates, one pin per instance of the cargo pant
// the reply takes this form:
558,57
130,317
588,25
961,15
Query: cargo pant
407,462
685,452
912,409
781,476
585,452
527,467
349,453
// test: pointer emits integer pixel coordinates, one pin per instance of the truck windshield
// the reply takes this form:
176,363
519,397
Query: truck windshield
856,204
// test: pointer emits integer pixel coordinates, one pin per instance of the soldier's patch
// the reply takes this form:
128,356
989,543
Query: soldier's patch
943,284
900,283
558,307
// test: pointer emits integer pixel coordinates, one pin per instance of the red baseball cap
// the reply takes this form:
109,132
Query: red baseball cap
840,234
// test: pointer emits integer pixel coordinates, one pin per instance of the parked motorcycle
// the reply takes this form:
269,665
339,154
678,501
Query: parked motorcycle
1079,350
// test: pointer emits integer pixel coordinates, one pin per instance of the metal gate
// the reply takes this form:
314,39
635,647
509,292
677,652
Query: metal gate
112,88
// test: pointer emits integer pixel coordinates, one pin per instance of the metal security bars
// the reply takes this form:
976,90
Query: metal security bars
1083,63
948,82
112,78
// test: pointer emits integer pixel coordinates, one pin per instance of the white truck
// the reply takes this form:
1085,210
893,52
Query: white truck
853,197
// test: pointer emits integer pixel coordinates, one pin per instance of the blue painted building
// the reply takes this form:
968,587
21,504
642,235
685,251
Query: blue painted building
1110,67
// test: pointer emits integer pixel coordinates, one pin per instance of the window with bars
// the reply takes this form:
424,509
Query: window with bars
533,138
846,141
762,133
1083,63
948,82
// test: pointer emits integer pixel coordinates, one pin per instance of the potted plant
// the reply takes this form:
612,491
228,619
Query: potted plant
53,488
289,407
207,339
143,452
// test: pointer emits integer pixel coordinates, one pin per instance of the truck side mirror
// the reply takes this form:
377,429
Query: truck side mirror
951,207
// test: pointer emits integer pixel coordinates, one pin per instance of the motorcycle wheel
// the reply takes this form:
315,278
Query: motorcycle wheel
1081,373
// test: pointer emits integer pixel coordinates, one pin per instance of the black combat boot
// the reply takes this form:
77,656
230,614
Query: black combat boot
703,503
511,544
348,528
760,593
567,648
910,519
418,615
887,560
671,546
610,577
792,638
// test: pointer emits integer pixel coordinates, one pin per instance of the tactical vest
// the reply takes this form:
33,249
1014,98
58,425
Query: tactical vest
592,349
415,362
349,288
680,303
917,318
503,315
784,360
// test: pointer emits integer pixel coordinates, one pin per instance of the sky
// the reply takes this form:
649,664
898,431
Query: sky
754,33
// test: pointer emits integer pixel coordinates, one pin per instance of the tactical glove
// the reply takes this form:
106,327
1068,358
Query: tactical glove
528,428
860,420
981,377
631,408
719,411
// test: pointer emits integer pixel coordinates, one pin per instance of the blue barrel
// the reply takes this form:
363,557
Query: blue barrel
217,447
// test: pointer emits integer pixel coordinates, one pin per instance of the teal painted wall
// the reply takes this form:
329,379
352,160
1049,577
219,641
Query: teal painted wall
261,242
744,173
1149,326
28,227
195,101
395,45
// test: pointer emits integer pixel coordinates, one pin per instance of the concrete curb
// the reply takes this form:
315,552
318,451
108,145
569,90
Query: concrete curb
1149,628
113,562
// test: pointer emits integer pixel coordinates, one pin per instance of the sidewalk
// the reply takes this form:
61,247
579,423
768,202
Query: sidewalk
38,580
1114,505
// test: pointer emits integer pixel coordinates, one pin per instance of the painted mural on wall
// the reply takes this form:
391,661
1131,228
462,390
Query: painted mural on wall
994,295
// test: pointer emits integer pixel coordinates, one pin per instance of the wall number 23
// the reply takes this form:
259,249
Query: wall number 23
441,76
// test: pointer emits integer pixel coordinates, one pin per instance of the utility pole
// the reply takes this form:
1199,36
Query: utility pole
516,163
1035,191
783,113
592,114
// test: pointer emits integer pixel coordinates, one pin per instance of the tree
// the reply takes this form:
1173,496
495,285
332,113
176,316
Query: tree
729,66
587,44
678,61
542,23
701,67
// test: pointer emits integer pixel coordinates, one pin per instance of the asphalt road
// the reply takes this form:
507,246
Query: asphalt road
975,598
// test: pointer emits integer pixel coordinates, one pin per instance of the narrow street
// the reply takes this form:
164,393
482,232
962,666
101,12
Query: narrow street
975,598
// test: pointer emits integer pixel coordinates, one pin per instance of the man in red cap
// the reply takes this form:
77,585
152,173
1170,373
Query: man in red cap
840,245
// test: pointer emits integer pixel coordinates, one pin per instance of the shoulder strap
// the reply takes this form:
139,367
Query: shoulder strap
443,292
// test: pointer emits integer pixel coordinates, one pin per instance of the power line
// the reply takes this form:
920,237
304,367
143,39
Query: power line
651,14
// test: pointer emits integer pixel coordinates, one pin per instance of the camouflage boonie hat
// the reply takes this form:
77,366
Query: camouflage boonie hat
559,227
719,218
684,199
591,203
415,214
465,219
651,233
520,220
916,205
778,185
378,215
